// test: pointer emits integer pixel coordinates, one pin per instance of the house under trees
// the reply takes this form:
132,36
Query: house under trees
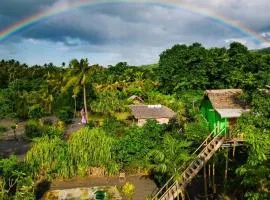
160,113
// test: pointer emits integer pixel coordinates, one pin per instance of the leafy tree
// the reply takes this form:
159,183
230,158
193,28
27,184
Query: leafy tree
255,172
77,78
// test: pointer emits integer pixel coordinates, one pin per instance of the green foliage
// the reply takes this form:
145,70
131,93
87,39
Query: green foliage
143,140
197,131
213,68
13,178
255,172
108,103
65,115
128,189
113,127
166,158
34,129
53,157
3,129
94,150
35,112
47,157
177,81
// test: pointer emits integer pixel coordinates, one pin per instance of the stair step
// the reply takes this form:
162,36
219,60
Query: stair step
192,169
210,148
196,165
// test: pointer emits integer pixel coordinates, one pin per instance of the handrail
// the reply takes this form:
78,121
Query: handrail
205,148
205,141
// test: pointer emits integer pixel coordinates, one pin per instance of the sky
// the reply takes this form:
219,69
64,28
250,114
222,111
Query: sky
137,33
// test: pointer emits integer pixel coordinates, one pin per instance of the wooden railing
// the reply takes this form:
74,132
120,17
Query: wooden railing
171,182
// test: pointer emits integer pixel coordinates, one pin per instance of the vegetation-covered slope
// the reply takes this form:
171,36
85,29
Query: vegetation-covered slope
177,81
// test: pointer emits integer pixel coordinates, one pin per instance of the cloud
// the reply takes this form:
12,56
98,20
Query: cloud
132,32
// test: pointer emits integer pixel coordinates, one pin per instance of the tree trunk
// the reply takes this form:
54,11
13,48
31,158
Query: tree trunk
226,165
50,108
85,104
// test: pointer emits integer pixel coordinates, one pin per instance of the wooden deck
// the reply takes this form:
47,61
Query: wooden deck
233,142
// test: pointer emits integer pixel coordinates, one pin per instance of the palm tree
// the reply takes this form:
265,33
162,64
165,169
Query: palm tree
77,76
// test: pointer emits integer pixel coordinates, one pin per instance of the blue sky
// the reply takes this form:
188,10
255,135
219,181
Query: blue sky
135,33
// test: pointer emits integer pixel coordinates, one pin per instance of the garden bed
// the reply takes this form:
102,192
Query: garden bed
90,193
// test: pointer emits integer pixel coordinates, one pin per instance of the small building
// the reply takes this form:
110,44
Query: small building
160,113
134,99
221,108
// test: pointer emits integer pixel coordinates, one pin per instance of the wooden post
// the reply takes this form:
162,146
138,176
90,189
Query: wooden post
182,194
214,185
187,195
209,175
205,182
234,144
226,165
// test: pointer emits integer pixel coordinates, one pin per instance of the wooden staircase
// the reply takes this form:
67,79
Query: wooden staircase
174,188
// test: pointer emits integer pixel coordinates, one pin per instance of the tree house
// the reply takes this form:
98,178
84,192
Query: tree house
221,108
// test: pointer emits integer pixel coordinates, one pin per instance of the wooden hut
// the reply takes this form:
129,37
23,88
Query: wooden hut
221,108
134,99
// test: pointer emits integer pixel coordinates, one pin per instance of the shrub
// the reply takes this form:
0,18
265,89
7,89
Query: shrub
48,121
33,129
54,157
65,115
3,129
35,112
128,189
113,127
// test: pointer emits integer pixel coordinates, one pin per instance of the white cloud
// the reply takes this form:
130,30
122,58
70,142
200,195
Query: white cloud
136,33
241,40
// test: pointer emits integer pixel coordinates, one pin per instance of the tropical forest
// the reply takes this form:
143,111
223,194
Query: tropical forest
77,125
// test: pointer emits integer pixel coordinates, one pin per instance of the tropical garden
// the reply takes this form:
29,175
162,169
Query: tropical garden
111,140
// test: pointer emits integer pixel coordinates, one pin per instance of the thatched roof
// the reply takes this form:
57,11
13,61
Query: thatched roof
135,97
151,111
227,102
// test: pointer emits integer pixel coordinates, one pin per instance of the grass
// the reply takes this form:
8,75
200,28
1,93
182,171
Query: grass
3,129
122,115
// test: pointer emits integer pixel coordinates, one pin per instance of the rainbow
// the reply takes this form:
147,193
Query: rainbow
64,6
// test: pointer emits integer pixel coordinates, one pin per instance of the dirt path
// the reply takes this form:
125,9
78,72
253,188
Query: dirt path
73,127
143,185
9,134
8,144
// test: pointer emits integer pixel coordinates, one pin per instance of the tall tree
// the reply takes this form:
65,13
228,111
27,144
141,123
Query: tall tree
77,77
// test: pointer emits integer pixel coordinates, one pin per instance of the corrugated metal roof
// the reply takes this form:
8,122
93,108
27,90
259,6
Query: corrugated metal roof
230,113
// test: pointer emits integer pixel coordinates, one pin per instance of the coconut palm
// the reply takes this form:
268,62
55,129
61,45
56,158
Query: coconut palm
76,78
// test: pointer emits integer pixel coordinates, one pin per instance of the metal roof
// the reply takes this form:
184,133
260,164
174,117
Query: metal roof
230,113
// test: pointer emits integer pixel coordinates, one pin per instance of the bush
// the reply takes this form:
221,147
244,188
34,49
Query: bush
52,131
33,129
128,189
65,115
3,129
35,112
113,127
48,121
